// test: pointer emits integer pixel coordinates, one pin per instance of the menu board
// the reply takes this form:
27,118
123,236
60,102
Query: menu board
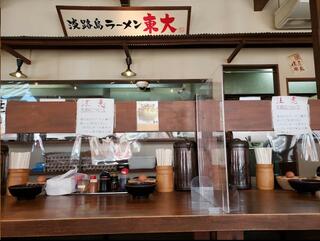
290,115
95,117
147,116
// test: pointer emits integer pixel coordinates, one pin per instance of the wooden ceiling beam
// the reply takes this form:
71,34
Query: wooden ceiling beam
252,40
125,3
16,54
235,51
259,5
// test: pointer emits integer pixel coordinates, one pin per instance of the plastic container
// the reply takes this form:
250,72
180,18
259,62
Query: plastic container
123,179
82,184
165,182
265,176
93,184
17,177
185,164
239,165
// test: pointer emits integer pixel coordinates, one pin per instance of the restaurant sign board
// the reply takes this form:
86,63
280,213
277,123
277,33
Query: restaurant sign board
124,21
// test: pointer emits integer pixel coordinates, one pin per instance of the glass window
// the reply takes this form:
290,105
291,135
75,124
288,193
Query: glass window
243,81
300,87
156,90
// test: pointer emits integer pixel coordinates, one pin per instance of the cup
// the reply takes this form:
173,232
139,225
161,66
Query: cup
265,176
17,177
165,181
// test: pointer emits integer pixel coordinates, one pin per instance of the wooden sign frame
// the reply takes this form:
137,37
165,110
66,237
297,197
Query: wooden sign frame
95,27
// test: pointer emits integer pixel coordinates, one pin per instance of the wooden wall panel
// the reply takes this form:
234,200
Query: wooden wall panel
248,115
177,116
210,119
60,117
126,120
315,114
41,117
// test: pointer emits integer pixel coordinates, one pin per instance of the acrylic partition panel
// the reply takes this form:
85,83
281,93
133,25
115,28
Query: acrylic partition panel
209,190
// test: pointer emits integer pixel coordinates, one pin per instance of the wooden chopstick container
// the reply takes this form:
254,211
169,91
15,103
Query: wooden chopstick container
17,177
165,180
265,176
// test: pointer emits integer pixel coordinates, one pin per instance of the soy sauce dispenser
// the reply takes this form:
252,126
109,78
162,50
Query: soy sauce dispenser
105,182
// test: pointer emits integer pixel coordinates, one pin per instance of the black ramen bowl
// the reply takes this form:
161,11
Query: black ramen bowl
140,190
25,192
305,185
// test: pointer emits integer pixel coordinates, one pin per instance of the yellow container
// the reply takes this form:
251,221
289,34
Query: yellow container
265,176
165,180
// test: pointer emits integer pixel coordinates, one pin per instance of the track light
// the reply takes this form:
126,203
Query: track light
128,72
18,73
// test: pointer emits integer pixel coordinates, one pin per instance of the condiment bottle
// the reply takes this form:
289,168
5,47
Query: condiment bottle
105,182
123,178
114,182
93,184
82,184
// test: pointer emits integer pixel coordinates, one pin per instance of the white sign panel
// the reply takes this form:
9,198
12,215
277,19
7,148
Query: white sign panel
95,117
3,107
290,115
123,21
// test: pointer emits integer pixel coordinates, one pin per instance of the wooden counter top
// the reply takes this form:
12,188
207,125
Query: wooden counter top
162,212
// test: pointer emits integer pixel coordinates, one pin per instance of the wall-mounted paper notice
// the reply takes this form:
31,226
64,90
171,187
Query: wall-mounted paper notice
95,117
290,115
147,116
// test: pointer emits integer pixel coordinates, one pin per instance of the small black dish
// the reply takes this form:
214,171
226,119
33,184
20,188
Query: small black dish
25,192
305,185
140,190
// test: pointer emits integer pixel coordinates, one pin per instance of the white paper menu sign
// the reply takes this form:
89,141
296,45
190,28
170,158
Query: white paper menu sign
147,116
290,115
95,117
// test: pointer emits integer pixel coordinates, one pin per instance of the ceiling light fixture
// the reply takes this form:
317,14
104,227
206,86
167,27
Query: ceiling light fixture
18,73
128,72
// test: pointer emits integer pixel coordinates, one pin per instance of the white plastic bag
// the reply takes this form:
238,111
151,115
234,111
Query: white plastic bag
76,149
122,150
101,152
309,148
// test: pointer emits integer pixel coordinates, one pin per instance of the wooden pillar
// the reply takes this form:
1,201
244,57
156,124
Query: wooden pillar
315,19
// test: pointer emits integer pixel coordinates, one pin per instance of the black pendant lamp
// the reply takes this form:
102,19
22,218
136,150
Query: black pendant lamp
128,72
18,73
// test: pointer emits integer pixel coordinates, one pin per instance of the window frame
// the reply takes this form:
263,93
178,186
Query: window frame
276,79
300,79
